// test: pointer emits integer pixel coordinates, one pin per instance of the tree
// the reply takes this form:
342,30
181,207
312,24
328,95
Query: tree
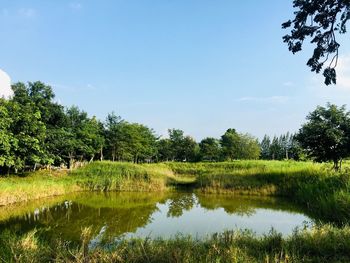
141,142
275,149
91,136
295,150
190,149
176,137
29,132
239,146
179,147
284,140
326,135
164,150
209,149
8,143
113,125
265,148
319,20
248,147
129,141
41,96
229,143
71,141
52,114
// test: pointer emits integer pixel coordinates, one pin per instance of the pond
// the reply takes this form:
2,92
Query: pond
116,215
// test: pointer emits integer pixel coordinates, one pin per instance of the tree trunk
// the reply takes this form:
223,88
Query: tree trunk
113,154
101,154
336,165
70,164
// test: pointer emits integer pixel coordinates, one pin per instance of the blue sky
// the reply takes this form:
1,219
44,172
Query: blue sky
198,65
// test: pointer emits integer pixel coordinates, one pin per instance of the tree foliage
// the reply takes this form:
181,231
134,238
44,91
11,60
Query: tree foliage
326,135
320,21
283,147
37,131
8,142
210,149
178,147
239,145
129,141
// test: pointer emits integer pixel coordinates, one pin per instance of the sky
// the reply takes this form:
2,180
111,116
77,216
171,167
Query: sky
202,66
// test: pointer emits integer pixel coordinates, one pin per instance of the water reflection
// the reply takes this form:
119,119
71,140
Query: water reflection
116,215
177,204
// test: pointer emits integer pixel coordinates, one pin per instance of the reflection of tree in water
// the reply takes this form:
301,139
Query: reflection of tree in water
180,203
244,205
241,206
116,214
238,206
112,215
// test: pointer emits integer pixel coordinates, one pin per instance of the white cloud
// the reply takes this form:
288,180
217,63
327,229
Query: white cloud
5,85
27,12
271,99
75,5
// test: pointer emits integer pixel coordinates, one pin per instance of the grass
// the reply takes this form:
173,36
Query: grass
313,186
36,185
321,244
97,176
104,176
316,187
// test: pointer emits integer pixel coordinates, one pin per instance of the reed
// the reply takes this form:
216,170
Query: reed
321,244
314,186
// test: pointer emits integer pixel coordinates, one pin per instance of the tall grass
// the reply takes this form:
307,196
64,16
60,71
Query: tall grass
109,176
321,244
314,186
97,176
40,184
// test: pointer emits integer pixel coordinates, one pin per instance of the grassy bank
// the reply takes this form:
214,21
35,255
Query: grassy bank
97,176
322,244
35,185
314,186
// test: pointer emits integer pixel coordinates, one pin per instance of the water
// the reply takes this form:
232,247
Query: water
117,215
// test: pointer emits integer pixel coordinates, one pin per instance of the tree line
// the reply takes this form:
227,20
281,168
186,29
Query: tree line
35,130
283,147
